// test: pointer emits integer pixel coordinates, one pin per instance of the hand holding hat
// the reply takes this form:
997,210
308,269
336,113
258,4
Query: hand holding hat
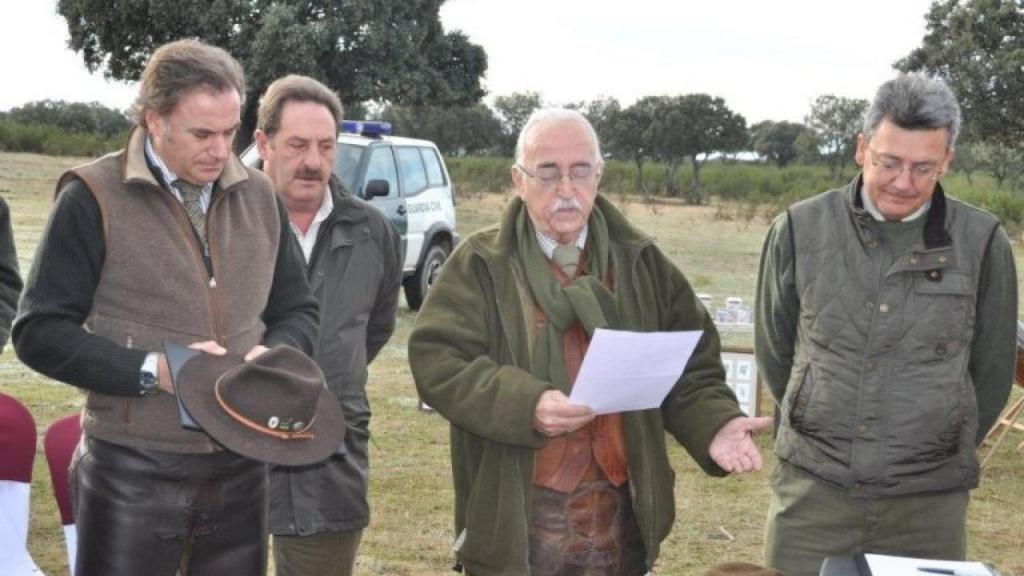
274,408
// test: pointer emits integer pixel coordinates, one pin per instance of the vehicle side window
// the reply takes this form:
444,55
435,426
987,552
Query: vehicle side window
414,175
346,163
435,176
382,167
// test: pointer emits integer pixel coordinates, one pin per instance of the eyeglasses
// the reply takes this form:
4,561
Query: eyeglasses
893,168
549,176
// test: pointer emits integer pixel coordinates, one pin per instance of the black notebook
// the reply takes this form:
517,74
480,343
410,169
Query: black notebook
177,355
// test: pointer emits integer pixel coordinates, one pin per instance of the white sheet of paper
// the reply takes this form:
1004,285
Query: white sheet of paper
625,371
902,566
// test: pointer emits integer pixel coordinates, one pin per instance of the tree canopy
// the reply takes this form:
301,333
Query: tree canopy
513,110
457,130
382,50
978,48
776,142
837,121
694,126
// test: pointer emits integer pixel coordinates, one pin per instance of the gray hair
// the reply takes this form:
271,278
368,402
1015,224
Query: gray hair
915,102
544,115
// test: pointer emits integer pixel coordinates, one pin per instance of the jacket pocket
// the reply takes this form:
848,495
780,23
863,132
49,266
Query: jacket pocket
944,308
796,397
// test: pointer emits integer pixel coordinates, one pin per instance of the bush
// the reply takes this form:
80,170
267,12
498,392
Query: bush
51,140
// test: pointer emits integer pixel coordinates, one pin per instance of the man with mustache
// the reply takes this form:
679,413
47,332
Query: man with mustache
169,239
354,265
886,330
542,486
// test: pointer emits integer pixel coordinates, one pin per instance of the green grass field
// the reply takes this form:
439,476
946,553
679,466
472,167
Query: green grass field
411,496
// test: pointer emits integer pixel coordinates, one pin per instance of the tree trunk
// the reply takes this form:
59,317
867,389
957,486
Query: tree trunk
670,178
640,175
694,195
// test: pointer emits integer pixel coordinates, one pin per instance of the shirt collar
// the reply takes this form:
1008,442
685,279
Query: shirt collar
165,172
326,207
547,243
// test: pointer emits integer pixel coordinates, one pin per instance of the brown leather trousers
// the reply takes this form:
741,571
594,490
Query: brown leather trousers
591,531
161,514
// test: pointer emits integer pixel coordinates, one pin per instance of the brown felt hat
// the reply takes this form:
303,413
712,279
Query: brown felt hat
274,408
741,569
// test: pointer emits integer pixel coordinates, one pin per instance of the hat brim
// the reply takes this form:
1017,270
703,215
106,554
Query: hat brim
195,382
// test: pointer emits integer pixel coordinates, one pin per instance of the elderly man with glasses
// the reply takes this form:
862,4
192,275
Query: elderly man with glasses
885,329
543,486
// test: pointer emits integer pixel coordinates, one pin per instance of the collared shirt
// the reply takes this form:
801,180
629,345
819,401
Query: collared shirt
547,243
308,240
170,177
869,205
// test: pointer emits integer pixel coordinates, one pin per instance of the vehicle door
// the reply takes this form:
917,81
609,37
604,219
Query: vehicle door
380,165
422,209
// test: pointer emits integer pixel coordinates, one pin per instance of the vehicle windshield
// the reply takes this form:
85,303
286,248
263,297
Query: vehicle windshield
346,163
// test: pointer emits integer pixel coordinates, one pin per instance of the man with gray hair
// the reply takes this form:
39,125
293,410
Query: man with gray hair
886,318
543,486
169,239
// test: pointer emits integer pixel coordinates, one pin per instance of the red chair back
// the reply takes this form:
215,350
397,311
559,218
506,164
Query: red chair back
61,439
17,440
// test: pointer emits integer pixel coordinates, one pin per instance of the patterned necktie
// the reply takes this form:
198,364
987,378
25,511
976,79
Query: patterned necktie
567,256
191,197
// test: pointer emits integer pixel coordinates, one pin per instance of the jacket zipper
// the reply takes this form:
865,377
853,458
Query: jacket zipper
216,307
184,224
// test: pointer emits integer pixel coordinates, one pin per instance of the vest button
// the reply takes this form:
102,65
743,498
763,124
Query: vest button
883,308
861,429
869,305
871,364
913,259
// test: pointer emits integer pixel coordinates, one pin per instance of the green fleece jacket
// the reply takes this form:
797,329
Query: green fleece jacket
470,358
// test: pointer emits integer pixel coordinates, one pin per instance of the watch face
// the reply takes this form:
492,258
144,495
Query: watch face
148,383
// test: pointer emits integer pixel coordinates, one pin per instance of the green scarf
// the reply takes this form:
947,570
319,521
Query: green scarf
585,300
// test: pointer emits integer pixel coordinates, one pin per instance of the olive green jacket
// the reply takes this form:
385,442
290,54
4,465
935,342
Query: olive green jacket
470,360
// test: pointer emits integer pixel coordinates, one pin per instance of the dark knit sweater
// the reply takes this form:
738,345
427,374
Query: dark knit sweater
10,279
49,335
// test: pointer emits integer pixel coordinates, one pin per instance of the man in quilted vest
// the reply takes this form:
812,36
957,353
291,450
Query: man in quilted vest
169,239
886,319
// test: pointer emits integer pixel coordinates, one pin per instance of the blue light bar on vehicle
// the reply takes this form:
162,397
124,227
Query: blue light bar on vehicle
366,127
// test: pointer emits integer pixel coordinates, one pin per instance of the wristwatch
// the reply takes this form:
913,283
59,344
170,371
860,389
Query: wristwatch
149,378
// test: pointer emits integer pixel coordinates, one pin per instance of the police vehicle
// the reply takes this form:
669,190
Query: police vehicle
407,180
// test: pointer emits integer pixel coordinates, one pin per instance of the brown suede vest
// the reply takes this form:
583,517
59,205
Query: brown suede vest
595,451
154,285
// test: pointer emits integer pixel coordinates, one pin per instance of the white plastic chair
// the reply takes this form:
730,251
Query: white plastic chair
17,451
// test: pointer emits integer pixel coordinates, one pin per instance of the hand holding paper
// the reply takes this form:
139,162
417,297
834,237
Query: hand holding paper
554,415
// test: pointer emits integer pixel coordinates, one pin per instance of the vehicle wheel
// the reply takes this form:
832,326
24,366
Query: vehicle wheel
417,285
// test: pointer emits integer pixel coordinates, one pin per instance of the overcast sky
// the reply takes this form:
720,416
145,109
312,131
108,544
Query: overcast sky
767,59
